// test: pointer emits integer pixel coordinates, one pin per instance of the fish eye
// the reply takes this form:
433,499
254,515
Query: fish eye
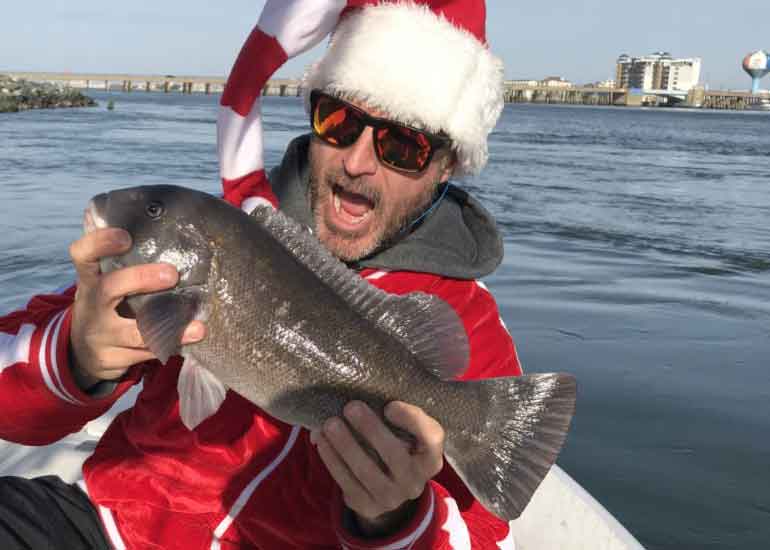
155,209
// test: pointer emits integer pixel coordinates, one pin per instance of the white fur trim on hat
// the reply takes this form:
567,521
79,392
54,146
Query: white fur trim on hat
414,65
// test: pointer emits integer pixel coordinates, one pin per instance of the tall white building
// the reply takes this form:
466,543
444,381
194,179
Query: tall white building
658,71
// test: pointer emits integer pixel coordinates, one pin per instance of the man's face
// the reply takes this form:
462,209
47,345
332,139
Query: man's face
359,203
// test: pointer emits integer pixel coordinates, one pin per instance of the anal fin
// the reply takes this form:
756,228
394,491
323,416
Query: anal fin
200,393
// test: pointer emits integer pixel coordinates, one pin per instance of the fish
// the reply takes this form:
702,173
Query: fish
298,333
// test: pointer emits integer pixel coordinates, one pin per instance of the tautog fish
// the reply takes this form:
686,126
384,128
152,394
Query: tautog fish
295,331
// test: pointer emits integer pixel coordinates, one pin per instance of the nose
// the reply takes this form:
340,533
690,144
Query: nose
360,159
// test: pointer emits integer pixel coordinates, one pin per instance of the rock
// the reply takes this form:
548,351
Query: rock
21,95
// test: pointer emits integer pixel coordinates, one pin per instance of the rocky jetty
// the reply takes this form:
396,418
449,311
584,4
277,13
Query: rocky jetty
21,95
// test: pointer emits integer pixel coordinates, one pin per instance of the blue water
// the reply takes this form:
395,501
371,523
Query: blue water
637,258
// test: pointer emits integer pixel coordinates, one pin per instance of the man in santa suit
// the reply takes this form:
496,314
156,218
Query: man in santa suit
403,99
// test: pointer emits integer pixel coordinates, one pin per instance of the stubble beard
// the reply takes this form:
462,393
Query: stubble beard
392,215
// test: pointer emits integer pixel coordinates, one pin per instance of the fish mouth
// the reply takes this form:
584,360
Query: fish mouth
92,221
91,218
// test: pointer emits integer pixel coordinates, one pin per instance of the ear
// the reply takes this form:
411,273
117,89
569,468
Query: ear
448,161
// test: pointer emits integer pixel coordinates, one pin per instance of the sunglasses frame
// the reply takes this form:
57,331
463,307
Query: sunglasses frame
436,141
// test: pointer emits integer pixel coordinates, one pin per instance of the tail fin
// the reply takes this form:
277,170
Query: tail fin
503,459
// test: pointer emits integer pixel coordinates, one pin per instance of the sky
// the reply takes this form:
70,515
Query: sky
579,41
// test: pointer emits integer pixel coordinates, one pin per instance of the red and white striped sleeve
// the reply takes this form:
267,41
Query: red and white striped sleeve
285,29
39,400
447,518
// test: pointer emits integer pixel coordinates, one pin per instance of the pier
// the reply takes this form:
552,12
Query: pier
739,101
513,92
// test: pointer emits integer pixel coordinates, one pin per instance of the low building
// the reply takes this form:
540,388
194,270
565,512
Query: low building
555,82
609,83
527,83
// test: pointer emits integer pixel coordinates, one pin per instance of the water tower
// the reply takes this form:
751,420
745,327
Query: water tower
757,64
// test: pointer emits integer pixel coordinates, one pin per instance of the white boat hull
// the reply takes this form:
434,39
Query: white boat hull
561,515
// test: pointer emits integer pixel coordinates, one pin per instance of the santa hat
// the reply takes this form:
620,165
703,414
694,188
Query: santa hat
423,62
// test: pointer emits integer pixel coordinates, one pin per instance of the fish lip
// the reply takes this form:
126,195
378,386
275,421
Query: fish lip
91,218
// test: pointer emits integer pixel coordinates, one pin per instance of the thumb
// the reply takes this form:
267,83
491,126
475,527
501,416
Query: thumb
425,430
195,332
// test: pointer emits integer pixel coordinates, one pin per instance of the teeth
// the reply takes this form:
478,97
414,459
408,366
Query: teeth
337,203
358,219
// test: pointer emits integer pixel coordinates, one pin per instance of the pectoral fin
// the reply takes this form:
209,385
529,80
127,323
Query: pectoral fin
162,319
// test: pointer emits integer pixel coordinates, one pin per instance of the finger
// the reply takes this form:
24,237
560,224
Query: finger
115,361
356,496
393,451
360,463
127,335
195,332
100,243
426,430
138,279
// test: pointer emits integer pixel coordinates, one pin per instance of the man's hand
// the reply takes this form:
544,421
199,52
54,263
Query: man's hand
381,499
104,344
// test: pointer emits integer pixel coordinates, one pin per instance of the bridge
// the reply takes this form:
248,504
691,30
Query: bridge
715,99
151,83
291,87
519,93
513,92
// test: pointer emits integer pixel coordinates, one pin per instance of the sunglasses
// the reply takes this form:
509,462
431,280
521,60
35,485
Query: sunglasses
398,146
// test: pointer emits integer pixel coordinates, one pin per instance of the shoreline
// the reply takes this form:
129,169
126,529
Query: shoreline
23,95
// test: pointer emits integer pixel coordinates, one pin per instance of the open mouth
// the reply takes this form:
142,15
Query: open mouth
351,209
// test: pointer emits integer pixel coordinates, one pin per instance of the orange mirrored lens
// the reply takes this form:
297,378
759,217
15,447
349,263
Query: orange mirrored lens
336,123
403,148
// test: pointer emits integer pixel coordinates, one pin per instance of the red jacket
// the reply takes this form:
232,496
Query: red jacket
241,479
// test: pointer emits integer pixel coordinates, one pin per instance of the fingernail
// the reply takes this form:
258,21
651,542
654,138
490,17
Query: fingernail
167,275
194,332
391,409
121,238
333,425
354,410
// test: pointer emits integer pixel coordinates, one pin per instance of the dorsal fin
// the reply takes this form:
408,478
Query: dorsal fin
425,324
